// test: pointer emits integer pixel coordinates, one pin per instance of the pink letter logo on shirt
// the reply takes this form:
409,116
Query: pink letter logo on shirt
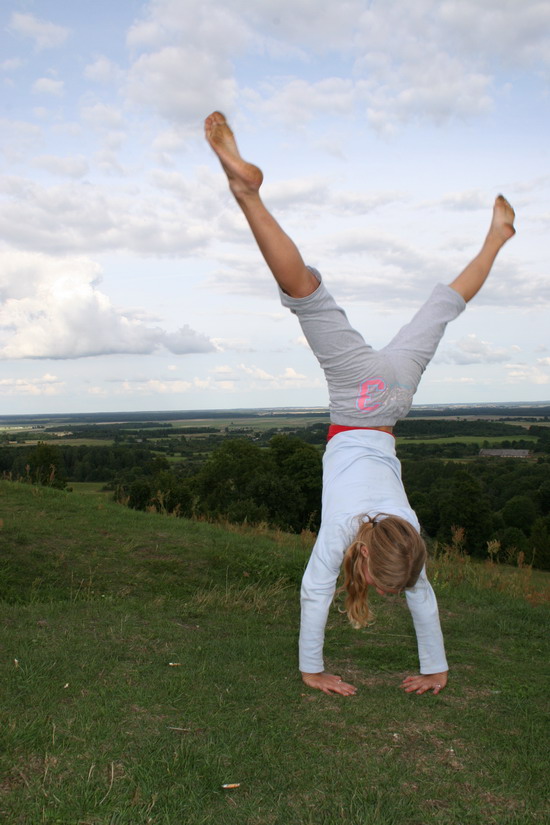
364,401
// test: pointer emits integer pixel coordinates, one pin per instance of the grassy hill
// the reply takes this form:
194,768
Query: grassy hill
147,661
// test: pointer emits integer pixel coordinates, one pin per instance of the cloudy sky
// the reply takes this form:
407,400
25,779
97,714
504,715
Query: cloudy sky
385,128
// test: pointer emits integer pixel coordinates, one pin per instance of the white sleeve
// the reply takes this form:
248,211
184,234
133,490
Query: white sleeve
318,586
422,603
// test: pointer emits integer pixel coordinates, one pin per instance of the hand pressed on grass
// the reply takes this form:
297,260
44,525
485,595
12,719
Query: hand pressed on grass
424,682
329,683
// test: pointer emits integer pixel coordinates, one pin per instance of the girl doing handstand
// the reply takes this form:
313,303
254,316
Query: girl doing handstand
366,520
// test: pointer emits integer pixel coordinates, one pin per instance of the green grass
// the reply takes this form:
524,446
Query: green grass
100,729
467,439
256,422
86,486
48,438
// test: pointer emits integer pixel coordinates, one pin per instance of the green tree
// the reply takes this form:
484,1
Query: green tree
425,507
539,542
46,465
543,498
465,504
300,466
512,541
225,475
520,512
139,494
172,494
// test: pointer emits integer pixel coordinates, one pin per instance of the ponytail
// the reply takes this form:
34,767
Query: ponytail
396,556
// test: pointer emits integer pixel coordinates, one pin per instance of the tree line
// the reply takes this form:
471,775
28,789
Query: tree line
278,482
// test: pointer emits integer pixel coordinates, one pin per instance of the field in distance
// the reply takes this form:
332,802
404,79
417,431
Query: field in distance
103,428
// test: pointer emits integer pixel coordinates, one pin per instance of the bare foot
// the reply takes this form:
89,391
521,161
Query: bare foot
502,225
244,178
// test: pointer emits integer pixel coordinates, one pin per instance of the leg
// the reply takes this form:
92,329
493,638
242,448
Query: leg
279,251
470,281
340,350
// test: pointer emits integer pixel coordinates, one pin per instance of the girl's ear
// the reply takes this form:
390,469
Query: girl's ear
364,550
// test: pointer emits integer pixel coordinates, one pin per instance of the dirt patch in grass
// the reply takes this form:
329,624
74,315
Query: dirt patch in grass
26,771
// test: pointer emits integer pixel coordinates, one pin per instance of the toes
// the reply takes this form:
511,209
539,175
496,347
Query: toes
214,119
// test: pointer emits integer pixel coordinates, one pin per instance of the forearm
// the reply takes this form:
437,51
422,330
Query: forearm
314,612
422,603
316,595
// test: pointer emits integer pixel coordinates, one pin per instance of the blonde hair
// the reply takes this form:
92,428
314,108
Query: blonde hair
396,555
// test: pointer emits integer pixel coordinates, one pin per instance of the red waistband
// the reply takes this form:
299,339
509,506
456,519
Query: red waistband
334,429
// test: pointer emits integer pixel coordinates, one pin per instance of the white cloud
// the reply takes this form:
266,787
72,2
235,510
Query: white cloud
220,26
524,285
169,143
298,101
71,217
108,162
517,33
326,28
102,116
41,112
538,184
233,345
46,385
46,35
466,201
240,275
522,373
214,384
171,386
184,57
358,203
412,61
173,182
18,138
386,104
48,86
387,249
11,65
318,195
66,167
451,380
396,272
257,372
155,386
297,193
102,70
184,341
177,80
439,89
473,350
287,379
52,308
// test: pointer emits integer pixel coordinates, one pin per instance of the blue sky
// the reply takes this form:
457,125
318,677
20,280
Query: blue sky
128,279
